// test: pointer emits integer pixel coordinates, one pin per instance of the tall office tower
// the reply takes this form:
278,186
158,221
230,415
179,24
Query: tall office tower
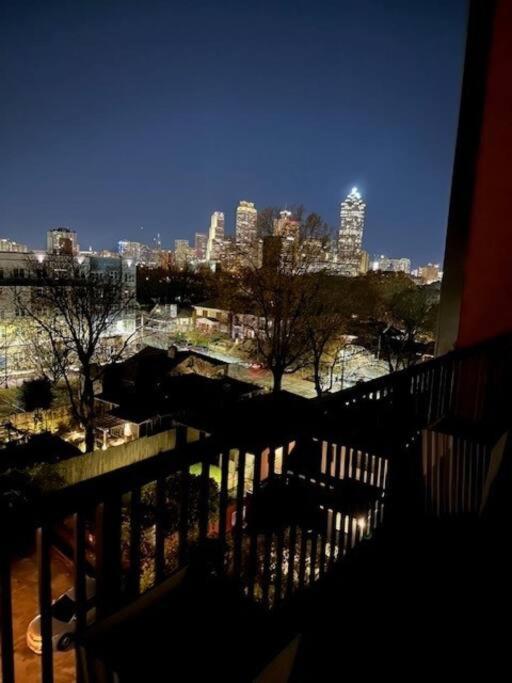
62,241
200,245
215,237
286,225
350,236
183,253
246,228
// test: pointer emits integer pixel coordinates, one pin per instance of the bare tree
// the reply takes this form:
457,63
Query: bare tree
410,315
275,284
39,354
325,342
73,311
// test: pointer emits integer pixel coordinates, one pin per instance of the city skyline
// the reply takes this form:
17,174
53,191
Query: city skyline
209,245
107,140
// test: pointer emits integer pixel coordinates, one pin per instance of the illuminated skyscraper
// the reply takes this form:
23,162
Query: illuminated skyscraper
286,225
246,228
350,237
215,237
62,241
183,253
200,245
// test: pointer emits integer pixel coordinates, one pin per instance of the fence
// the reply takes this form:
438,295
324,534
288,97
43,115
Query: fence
83,467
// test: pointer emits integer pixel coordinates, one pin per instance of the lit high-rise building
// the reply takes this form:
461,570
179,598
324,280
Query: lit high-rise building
200,245
129,249
62,241
183,253
215,237
141,254
393,265
286,225
350,236
246,228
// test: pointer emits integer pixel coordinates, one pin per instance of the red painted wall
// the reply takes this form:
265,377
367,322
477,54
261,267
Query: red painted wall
486,309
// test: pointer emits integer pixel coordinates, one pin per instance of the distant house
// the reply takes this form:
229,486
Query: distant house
168,319
247,326
211,319
155,389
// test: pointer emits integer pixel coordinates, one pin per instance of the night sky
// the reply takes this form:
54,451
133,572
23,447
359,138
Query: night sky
120,114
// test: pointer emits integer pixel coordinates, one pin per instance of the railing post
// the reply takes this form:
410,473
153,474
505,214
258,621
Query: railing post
6,637
253,552
133,585
204,500
183,525
160,530
108,555
45,602
80,590
240,491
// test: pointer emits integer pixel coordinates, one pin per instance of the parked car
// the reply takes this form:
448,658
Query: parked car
63,620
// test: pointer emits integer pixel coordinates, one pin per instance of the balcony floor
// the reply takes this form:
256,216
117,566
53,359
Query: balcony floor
431,599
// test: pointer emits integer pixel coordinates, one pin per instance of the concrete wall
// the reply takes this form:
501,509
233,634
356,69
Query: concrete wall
477,284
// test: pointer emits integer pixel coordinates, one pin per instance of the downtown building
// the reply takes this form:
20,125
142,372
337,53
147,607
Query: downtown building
246,231
21,277
391,265
184,254
62,241
214,245
142,254
10,246
287,225
200,246
350,237
432,272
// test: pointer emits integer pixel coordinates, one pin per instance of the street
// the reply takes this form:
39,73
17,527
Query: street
25,608
263,378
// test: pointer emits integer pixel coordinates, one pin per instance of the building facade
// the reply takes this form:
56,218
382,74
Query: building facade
286,225
393,265
350,236
200,245
215,242
141,254
183,253
430,273
7,245
246,229
62,241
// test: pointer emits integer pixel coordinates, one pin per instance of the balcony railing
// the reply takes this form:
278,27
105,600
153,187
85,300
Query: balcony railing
275,513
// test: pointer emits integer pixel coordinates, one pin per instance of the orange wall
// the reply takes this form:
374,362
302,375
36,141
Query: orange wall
486,309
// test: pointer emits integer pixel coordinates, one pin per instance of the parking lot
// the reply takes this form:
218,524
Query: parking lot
25,607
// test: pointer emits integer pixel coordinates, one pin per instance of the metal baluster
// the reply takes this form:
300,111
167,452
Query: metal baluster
6,637
135,540
80,590
160,531
45,602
